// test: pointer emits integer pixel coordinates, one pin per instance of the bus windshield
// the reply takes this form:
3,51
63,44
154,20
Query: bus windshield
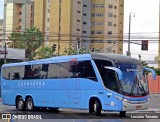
134,81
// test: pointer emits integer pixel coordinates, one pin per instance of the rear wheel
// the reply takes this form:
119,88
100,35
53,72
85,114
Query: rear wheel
54,109
20,104
29,104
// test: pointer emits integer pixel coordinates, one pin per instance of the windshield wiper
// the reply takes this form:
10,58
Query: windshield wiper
141,86
137,82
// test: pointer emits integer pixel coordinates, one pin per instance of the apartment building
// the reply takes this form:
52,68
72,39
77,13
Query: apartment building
60,21
18,15
107,25
94,24
1,32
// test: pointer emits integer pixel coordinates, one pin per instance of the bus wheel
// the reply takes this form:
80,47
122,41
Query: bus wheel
29,104
95,107
20,104
54,109
122,114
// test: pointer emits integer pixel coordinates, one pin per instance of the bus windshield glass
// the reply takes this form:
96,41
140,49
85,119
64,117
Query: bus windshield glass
134,81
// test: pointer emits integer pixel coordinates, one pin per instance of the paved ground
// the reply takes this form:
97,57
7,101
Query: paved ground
154,102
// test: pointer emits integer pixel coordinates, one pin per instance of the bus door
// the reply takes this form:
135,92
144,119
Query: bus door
110,82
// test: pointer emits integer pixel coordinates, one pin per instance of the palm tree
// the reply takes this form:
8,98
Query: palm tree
45,52
15,40
32,38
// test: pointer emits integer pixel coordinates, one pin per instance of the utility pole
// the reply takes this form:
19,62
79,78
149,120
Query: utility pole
128,52
59,33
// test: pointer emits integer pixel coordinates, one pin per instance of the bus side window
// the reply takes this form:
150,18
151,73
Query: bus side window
85,70
111,81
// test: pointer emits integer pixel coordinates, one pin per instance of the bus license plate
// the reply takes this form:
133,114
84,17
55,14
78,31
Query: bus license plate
138,107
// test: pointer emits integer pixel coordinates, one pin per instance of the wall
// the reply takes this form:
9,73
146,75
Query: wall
154,85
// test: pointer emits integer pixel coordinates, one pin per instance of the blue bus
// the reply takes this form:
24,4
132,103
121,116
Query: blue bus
96,82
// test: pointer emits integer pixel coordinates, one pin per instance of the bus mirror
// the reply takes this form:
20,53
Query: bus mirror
152,71
118,71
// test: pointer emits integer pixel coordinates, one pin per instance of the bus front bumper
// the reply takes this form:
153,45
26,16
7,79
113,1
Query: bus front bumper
135,105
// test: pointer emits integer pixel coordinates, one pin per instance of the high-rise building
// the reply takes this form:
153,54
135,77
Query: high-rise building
1,32
18,15
60,21
107,25
81,23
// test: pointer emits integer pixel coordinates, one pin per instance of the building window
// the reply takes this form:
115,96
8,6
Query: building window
110,14
78,11
98,41
84,32
47,28
48,10
78,2
78,20
115,16
110,6
109,41
78,29
96,23
97,14
109,32
31,8
115,7
19,27
97,32
84,5
47,19
84,14
109,50
20,13
97,6
20,20
115,25
84,23
109,23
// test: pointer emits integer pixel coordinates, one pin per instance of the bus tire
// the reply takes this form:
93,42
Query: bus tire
20,104
29,104
54,110
122,113
95,107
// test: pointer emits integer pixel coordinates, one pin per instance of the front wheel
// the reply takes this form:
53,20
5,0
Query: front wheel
29,104
95,107
20,104
122,113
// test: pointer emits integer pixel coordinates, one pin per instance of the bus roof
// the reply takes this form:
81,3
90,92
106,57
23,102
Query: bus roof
105,56
115,58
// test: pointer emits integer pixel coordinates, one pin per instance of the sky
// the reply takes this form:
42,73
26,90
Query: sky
144,26
145,23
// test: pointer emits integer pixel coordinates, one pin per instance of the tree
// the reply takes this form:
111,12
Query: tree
72,51
45,52
30,40
16,40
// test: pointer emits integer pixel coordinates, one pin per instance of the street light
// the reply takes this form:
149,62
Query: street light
129,53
